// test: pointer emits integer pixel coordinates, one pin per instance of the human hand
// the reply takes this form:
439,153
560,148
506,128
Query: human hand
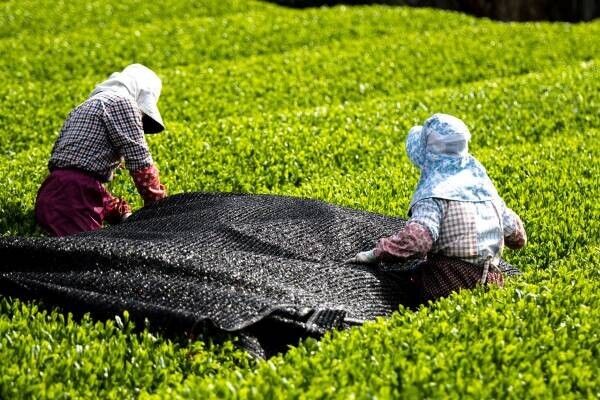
364,257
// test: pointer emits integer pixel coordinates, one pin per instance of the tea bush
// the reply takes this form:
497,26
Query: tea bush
317,103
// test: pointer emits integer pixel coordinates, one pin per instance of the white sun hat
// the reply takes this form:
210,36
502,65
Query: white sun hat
144,86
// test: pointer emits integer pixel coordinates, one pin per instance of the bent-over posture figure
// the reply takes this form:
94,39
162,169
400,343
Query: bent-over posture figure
105,130
455,212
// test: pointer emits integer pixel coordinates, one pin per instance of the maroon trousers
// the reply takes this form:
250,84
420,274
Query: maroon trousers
70,201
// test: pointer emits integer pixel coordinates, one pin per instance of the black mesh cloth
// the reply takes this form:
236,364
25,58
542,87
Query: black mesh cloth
268,268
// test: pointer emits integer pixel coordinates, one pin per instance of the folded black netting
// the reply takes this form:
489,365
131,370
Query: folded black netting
268,268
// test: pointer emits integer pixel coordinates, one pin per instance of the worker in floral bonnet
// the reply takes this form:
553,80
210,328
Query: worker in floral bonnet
97,136
457,219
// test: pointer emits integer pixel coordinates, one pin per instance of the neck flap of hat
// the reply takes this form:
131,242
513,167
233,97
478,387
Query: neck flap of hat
141,84
440,149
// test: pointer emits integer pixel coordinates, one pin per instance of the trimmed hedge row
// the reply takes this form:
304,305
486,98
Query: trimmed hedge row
185,41
47,354
52,17
362,69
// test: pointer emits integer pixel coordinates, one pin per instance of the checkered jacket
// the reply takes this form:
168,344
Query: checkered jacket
100,133
468,230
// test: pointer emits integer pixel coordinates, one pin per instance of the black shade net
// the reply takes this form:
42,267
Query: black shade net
269,269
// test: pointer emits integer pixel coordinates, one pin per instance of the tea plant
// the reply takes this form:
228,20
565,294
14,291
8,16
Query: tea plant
317,103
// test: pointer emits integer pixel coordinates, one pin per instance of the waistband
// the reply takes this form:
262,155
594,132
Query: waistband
76,172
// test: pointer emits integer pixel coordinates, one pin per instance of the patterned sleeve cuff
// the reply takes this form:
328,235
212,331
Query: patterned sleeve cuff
139,164
414,239
148,184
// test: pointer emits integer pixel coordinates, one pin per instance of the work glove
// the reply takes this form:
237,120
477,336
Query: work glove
364,257
148,184
116,210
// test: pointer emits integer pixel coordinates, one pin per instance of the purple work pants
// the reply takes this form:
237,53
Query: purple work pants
70,201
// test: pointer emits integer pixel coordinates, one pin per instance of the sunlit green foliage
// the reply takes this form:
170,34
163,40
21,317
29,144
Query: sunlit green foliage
317,103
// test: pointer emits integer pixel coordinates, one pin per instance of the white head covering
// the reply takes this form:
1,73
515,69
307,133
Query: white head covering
440,148
144,86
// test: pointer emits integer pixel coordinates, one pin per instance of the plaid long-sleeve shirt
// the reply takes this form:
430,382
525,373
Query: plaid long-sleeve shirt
467,230
99,133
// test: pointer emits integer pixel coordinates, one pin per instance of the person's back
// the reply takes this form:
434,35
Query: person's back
100,133
472,231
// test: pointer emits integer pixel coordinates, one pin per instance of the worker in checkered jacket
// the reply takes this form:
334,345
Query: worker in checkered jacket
97,137
457,219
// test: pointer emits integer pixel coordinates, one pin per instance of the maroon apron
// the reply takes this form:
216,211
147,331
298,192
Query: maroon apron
70,201
441,276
